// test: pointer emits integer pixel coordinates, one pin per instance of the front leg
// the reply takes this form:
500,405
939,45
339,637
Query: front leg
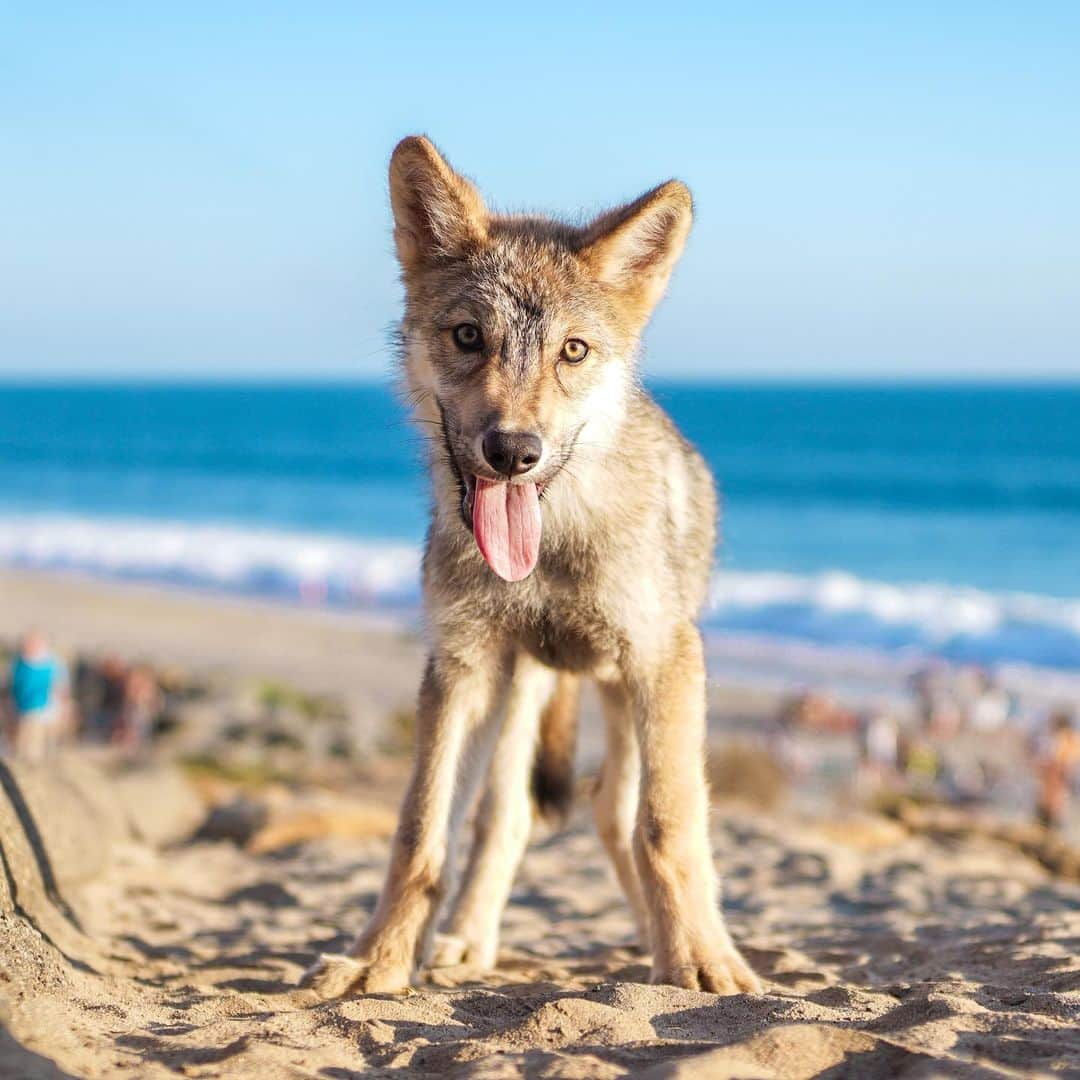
503,823
691,945
454,698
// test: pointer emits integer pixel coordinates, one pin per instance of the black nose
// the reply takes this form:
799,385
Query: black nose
512,452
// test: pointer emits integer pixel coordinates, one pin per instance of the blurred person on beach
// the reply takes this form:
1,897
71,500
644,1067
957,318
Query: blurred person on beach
38,697
878,736
932,690
112,674
97,691
1057,762
992,706
139,710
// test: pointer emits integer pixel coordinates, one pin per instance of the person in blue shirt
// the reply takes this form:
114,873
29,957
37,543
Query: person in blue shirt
37,687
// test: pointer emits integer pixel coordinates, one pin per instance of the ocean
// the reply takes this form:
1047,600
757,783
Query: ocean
904,521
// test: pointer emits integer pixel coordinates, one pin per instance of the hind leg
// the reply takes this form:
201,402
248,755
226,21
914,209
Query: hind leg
615,801
503,823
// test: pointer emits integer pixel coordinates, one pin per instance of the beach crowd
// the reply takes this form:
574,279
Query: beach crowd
48,705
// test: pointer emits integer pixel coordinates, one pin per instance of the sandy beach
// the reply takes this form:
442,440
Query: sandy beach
884,952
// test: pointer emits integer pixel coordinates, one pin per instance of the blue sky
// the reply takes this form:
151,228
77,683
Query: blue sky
883,190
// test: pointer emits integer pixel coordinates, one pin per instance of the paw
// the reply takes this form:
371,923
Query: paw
719,973
335,976
458,951
456,975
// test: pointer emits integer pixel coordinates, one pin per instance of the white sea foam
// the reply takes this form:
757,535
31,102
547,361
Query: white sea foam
831,610
311,566
940,612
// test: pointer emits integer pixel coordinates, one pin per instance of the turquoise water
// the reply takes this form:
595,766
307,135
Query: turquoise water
939,518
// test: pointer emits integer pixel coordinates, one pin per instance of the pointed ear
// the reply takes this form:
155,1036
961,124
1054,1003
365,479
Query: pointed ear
437,214
634,249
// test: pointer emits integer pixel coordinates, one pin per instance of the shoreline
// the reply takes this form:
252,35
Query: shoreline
101,610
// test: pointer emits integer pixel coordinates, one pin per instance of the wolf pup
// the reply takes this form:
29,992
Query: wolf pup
572,534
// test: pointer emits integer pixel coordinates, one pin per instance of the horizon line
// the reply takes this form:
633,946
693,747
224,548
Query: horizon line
242,380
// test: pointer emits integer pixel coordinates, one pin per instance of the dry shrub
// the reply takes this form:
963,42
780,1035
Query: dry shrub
862,832
741,771
1045,846
350,821
209,770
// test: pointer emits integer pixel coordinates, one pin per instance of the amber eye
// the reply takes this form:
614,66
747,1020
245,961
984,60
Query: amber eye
467,336
574,351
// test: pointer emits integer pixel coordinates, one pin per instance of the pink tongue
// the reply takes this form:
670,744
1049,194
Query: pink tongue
506,524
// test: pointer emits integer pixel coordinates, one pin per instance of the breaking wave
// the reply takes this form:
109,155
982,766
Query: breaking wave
330,570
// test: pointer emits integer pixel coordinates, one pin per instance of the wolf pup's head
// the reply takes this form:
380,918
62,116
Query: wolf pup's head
520,335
